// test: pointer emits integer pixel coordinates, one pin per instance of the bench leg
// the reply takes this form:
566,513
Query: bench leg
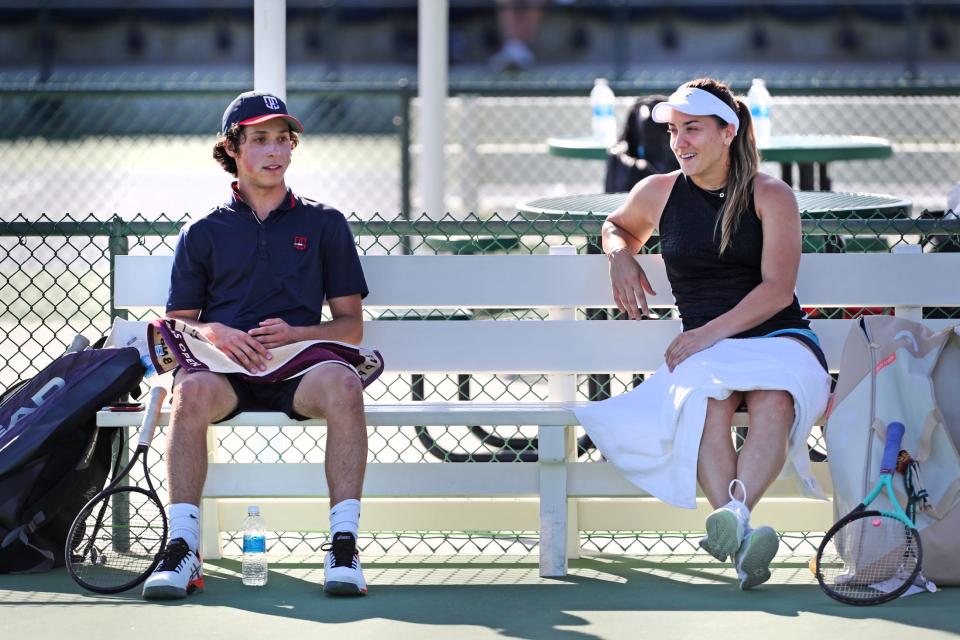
554,505
210,530
559,530
210,546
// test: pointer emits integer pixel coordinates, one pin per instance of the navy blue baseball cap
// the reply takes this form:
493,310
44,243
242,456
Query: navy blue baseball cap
254,107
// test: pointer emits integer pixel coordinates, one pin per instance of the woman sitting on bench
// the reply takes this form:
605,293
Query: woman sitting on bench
730,239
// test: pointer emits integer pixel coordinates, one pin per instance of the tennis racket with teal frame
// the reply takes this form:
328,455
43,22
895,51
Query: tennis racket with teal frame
871,556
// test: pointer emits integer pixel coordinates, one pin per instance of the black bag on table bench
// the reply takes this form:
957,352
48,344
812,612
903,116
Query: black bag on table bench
53,459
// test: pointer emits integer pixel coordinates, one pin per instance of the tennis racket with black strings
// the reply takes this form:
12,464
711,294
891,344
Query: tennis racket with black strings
117,539
871,556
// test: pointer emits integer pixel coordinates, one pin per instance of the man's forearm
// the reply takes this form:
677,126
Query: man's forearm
189,318
342,329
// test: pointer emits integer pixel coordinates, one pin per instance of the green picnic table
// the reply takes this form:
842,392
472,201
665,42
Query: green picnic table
811,153
812,204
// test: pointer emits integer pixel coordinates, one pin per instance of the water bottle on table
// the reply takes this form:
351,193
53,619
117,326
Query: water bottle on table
254,564
602,102
758,99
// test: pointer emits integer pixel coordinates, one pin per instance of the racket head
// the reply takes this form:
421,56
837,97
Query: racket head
866,548
116,540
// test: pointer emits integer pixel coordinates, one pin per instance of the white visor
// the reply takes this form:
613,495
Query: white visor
695,102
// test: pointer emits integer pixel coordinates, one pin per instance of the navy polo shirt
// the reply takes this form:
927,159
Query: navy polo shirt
239,270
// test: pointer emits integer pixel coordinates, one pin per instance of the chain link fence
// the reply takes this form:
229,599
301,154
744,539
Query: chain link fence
103,150
55,282
127,164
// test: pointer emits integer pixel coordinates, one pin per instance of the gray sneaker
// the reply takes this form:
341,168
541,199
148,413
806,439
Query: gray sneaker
724,534
752,560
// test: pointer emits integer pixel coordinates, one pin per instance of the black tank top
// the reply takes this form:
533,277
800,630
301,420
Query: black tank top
705,284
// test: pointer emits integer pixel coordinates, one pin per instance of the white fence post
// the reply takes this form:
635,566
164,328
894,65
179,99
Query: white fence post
910,313
270,47
432,89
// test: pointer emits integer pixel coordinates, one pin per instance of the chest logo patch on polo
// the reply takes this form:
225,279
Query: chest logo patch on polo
300,243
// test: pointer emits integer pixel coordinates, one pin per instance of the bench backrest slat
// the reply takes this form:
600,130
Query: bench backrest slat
546,281
549,347
538,281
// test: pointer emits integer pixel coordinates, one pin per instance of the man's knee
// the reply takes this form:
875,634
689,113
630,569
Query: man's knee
203,395
332,389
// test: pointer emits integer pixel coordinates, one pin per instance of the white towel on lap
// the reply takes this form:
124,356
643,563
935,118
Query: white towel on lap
652,434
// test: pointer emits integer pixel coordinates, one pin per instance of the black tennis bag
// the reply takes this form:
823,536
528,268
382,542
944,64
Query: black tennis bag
643,149
53,459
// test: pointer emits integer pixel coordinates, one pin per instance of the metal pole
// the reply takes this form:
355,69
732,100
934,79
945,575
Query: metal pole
621,40
432,87
912,35
270,47
406,98
45,37
119,245
331,39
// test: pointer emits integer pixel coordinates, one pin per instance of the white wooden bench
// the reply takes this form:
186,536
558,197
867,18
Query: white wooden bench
557,495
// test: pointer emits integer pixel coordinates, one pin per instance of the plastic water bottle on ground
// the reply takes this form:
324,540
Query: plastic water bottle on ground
602,102
254,564
758,99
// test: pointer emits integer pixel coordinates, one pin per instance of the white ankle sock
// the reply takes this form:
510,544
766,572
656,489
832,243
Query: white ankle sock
345,516
185,523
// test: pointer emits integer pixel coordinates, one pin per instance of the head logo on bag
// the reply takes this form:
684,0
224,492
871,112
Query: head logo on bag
22,412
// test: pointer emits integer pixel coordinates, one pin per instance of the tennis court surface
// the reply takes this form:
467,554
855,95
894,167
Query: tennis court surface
459,597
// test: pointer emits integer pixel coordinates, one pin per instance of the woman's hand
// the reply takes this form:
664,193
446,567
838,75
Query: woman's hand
239,346
630,284
686,344
274,332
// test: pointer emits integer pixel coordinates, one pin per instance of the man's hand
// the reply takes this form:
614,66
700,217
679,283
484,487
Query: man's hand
686,344
240,347
274,332
630,284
